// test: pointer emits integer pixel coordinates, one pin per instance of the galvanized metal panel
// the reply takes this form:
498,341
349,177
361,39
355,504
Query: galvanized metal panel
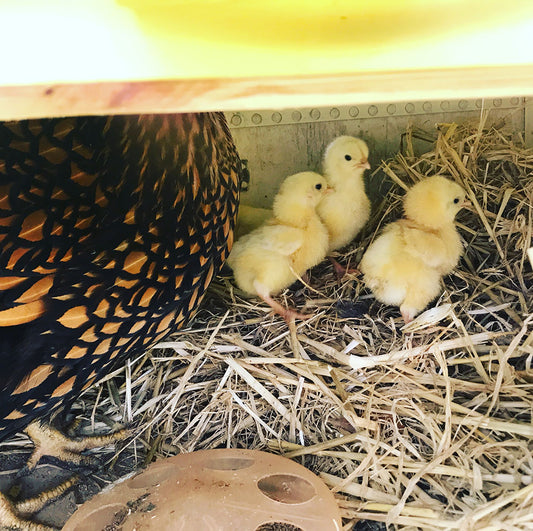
280,143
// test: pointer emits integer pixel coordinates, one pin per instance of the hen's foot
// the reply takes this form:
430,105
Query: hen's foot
51,442
13,514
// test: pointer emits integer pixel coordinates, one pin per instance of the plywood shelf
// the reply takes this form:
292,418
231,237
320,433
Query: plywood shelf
260,93
127,56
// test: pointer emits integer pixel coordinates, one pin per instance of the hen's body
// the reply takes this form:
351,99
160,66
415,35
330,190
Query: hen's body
110,231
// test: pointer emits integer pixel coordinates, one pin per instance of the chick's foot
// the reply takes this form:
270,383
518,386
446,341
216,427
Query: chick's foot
408,314
287,314
51,442
291,315
341,271
13,514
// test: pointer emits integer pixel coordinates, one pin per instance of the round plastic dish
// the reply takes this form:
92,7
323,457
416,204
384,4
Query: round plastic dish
226,489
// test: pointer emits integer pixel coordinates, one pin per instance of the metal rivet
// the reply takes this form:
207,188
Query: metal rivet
296,116
334,113
444,105
276,117
236,120
257,118
314,114
391,109
427,106
497,102
515,101
409,107
372,110
463,104
479,103
353,112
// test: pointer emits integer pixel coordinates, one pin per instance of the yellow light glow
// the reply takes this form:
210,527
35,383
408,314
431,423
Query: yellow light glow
69,41
61,40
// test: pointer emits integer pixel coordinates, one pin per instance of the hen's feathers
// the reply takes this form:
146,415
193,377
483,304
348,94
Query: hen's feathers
110,231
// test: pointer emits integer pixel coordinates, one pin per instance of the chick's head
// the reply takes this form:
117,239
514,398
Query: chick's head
345,157
434,202
298,197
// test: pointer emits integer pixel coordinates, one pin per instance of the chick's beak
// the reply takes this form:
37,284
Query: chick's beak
364,164
466,204
328,190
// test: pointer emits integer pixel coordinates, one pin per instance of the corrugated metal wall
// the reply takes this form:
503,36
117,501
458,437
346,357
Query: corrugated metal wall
283,142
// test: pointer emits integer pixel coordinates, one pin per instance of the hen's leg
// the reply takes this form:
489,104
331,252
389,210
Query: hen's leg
49,441
12,514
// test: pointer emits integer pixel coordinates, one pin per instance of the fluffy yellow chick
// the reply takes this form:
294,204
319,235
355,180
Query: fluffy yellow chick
405,264
250,218
346,210
273,256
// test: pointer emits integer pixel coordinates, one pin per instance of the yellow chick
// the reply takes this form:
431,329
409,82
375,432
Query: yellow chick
250,218
405,264
273,256
346,210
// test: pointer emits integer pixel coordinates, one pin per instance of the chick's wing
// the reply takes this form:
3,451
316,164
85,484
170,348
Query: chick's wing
282,239
426,246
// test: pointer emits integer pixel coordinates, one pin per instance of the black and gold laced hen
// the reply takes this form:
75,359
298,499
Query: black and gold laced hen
111,229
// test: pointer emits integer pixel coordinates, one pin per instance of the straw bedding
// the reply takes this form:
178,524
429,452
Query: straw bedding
426,426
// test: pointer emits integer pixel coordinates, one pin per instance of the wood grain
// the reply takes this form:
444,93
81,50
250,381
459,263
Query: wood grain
35,101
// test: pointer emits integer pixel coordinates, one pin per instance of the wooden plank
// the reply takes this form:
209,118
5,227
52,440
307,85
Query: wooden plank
186,95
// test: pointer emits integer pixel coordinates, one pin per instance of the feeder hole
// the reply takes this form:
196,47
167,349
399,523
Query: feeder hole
229,463
278,526
286,488
152,477
102,517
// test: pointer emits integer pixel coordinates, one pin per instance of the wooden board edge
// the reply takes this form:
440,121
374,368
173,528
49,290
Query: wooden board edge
196,95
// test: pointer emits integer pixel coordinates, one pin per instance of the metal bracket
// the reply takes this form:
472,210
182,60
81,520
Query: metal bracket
327,114
528,122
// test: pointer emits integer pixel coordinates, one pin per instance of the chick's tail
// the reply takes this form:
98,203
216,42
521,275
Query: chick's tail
418,296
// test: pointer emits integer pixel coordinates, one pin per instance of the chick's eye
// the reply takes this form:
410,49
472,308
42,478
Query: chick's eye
347,157
318,186
456,200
